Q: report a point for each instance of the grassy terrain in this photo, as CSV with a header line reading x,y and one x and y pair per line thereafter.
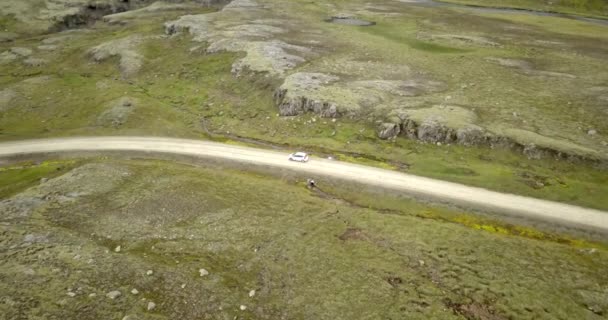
x,y
17,178
324,258
593,8
184,93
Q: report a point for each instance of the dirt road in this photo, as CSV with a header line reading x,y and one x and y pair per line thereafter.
x,y
443,191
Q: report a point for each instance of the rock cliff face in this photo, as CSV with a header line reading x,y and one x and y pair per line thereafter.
x,y
431,128
442,124
294,98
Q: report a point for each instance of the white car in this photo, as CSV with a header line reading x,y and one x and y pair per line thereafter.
x,y
299,156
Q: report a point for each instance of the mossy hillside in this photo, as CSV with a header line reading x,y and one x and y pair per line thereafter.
x,y
543,104
546,99
555,24
16,178
593,8
294,248
177,88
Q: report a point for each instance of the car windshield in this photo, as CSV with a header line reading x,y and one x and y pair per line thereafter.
x,y
299,155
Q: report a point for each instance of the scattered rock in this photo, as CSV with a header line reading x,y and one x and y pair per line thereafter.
x,y
22,52
93,295
151,306
8,57
350,21
528,68
33,238
130,60
71,294
394,281
251,293
421,262
596,309
274,56
203,272
118,112
34,62
592,132
113,294
37,80
245,32
388,130
462,40
149,272
532,152
512,63
117,249
47,47
243,307
57,39
134,291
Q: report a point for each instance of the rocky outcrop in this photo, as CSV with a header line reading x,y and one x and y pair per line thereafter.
x,y
22,52
34,62
237,28
471,135
458,39
126,48
458,127
327,96
294,96
387,130
527,67
443,124
7,57
117,112
433,131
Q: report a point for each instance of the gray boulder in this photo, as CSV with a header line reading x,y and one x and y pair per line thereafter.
x,y
34,62
470,136
113,294
532,152
23,52
433,131
388,130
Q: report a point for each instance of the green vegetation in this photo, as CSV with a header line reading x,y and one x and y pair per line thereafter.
x,y
181,91
342,252
593,8
292,246
16,178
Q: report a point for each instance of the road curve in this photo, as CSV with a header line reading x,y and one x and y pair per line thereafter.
x,y
443,191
